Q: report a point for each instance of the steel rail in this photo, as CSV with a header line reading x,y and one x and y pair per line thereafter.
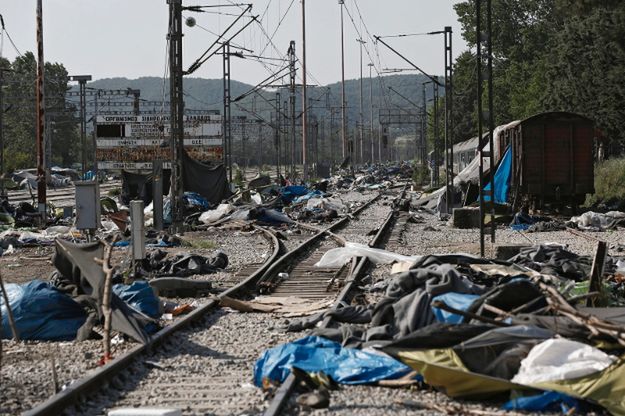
x,y
265,280
286,389
73,393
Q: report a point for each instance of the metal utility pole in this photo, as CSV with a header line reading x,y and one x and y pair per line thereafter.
x,y
362,123
277,122
304,100
292,103
82,85
488,141
41,174
2,131
437,139
260,147
370,64
227,119
176,112
343,117
135,102
449,140
424,115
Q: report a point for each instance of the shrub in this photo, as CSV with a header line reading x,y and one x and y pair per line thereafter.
x,y
609,182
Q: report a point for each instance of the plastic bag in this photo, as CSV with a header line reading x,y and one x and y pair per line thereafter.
x,y
561,359
41,312
325,204
216,214
337,257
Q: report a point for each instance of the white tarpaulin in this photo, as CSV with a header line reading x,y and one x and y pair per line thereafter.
x,y
337,257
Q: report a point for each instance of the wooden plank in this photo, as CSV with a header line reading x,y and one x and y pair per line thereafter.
x,y
596,272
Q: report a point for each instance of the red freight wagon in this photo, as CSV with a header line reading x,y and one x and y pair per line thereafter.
x,y
552,158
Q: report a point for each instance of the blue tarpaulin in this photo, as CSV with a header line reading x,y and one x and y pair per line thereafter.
x,y
502,179
41,312
140,296
314,354
546,401
289,193
460,301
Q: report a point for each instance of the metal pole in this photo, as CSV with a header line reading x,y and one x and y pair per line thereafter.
x,y
491,119
436,138
371,113
424,115
343,117
1,133
304,100
478,57
362,147
157,192
292,103
176,112
41,175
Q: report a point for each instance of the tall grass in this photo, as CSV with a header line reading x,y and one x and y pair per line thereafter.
x,y
609,182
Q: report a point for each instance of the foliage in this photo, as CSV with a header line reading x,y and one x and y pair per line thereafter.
x,y
548,55
20,113
609,182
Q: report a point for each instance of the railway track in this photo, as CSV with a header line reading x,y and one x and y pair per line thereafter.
x,y
206,369
59,197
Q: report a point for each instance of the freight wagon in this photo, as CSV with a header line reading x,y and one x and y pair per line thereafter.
x,y
552,158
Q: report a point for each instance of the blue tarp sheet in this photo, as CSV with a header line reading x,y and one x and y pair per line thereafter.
x,y
140,296
314,354
460,301
502,179
41,312
289,193
547,401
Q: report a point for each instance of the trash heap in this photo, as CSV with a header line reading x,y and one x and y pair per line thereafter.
x,y
528,332
69,306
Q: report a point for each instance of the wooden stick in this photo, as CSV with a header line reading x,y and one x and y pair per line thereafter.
x,y
105,262
16,335
596,272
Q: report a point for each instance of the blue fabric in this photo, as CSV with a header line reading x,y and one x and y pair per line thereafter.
x,y
140,296
502,179
289,193
460,301
313,354
193,199
549,400
41,312
308,196
520,227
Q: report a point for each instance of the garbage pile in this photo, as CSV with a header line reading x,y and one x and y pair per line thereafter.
x,y
518,330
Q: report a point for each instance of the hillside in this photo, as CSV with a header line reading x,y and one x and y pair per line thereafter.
x,y
204,93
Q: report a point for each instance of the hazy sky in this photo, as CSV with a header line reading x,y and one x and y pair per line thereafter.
x,y
127,38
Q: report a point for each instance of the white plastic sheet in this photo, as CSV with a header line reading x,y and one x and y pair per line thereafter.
x,y
325,204
216,214
337,257
594,221
561,359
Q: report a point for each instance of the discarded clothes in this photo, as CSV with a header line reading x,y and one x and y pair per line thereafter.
x,y
41,312
158,264
314,354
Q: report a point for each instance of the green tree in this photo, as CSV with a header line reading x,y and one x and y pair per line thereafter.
x,y
20,114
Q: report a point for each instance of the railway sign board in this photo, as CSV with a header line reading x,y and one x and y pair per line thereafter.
x,y
132,142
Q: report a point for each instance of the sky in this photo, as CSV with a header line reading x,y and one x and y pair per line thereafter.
x,y
127,38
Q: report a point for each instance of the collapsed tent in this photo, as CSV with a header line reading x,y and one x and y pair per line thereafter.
x,y
41,312
139,186
81,277
210,182
483,329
